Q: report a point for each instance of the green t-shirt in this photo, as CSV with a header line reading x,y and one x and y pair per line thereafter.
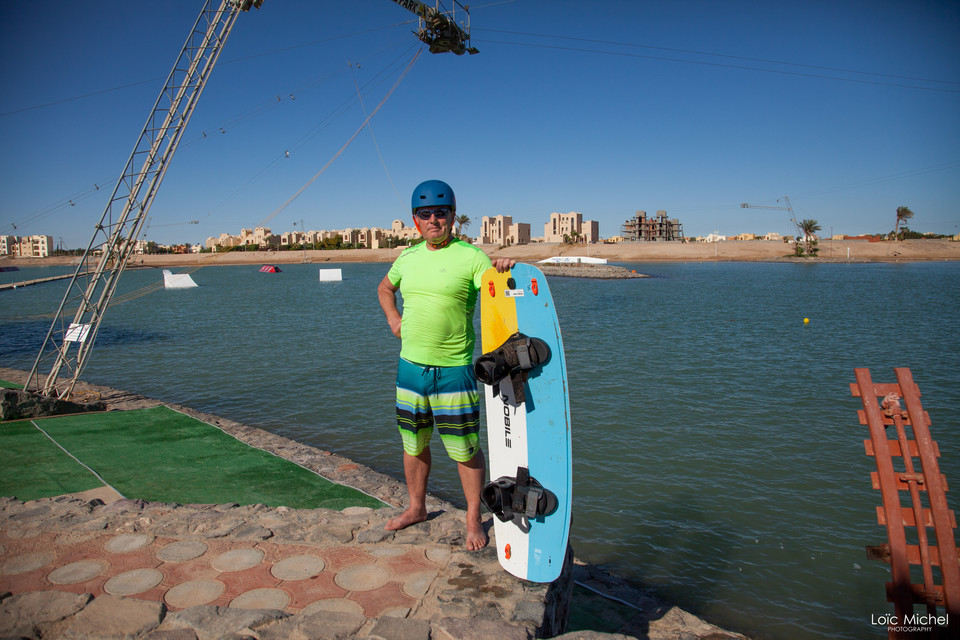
x,y
439,290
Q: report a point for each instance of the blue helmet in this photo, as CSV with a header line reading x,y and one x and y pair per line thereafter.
x,y
433,193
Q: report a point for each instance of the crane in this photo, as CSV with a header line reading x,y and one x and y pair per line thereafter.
x,y
798,230
438,30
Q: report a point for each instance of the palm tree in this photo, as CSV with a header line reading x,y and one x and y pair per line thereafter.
x,y
809,227
903,214
462,221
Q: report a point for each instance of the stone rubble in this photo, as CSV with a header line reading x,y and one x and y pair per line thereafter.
x,y
16,404
585,270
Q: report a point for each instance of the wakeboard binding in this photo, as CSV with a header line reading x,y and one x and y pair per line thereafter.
x,y
519,499
510,362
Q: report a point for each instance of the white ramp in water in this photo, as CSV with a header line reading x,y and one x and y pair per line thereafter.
x,y
330,275
177,280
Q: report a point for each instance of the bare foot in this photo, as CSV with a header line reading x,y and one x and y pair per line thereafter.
x,y
405,519
476,536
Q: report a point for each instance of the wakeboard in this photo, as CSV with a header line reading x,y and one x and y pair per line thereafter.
x,y
524,376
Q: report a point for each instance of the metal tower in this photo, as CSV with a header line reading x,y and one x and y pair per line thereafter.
x,y
74,329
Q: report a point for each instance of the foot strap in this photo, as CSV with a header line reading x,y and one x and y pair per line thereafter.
x,y
518,498
505,368
518,353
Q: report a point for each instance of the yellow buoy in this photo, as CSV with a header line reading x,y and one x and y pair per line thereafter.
x,y
806,321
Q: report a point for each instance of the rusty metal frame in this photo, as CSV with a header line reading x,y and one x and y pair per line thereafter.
x,y
914,518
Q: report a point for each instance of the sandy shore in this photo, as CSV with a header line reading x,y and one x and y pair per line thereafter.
x,y
747,251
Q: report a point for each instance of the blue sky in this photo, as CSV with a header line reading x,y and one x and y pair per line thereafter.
x,y
849,108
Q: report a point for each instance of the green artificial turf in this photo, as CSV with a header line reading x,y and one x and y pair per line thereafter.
x,y
34,467
160,455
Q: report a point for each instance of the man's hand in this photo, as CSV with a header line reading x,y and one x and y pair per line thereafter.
x,y
387,293
394,323
503,264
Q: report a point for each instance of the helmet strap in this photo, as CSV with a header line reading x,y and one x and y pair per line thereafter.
x,y
442,243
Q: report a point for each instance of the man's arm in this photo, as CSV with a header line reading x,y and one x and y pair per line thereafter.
x,y
387,293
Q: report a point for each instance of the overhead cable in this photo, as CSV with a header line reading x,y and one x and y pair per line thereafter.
x,y
950,86
346,144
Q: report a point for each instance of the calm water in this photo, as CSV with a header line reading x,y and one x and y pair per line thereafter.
x,y
718,455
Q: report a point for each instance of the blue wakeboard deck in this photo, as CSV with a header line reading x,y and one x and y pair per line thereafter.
x,y
534,434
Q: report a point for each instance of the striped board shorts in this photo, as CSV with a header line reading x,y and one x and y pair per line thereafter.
x,y
445,396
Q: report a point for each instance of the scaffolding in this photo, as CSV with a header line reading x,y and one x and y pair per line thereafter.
x,y
657,228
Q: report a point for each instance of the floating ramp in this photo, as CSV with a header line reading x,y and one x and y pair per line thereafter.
x,y
331,275
173,280
573,260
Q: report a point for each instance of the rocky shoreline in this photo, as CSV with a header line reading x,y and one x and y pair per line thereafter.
x,y
598,271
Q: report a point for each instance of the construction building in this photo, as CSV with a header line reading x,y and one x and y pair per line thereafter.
x,y
656,228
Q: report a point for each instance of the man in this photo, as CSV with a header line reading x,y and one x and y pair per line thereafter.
x,y
439,280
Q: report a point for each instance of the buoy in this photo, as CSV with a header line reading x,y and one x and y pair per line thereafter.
x,y
806,321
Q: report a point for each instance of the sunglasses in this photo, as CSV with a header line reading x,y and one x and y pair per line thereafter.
x,y
440,212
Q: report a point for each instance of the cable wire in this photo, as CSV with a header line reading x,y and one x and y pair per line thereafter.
x,y
374,138
723,55
346,144
626,54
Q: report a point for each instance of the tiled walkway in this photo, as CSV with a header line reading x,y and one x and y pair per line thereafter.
x,y
374,581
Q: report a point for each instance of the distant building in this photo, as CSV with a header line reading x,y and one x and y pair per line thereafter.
x,y
570,227
27,246
259,238
402,231
7,244
370,238
590,231
658,228
290,238
502,230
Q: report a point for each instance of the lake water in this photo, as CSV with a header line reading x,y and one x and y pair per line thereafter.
x,y
718,459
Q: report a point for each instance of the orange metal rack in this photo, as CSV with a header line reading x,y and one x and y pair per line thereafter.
x,y
924,507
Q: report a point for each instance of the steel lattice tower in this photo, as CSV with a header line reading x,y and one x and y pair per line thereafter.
x,y
72,333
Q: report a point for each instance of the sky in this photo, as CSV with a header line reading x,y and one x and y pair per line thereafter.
x,y
848,108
